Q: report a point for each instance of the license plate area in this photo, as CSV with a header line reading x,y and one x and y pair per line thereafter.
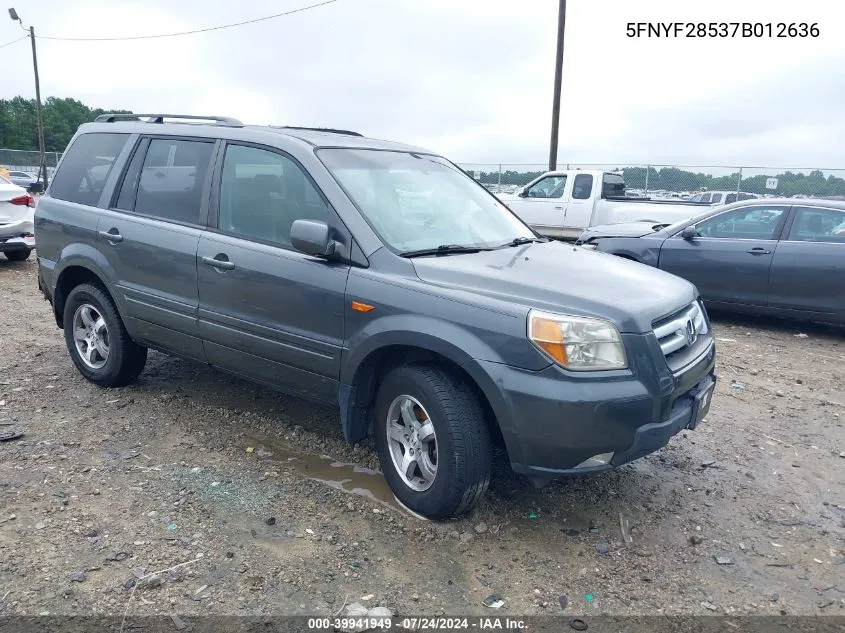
x,y
701,403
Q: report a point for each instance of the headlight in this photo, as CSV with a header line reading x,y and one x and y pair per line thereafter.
x,y
577,343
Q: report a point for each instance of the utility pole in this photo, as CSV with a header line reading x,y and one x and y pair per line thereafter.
x,y
561,23
42,172
42,169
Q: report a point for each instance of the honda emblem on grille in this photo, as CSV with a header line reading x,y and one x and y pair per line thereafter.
x,y
691,333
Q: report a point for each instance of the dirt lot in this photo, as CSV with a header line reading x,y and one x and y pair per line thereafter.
x,y
194,469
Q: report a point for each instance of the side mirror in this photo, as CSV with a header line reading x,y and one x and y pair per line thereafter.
x,y
36,187
312,238
523,193
689,232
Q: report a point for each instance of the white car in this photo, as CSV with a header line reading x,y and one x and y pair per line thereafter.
x,y
17,208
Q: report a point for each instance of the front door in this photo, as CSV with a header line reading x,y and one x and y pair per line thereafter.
x,y
266,311
542,205
729,257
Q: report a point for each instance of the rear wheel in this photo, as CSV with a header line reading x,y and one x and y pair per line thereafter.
x,y
432,441
97,341
18,256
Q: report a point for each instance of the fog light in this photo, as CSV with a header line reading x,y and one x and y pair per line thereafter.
x,y
602,459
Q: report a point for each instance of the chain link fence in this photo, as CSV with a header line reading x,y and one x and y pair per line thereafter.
x,y
679,182
27,161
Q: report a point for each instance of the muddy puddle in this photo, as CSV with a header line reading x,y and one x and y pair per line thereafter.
x,y
350,478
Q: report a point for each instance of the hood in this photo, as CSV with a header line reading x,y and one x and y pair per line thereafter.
x,y
627,229
566,279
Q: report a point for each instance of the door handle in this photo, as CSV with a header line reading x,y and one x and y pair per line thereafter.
x,y
221,264
558,208
114,238
758,251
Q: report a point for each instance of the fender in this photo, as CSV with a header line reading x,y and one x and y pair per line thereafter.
x,y
88,257
451,341
456,343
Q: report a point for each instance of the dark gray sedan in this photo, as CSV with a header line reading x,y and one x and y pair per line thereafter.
x,y
771,256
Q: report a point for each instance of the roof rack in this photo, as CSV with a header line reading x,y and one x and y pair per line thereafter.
x,y
318,129
159,118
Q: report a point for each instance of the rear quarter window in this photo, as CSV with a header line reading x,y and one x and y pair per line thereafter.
x,y
86,166
612,186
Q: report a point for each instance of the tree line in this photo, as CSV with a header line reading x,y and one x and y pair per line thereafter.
x,y
19,128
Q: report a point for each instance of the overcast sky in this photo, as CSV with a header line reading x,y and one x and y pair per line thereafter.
x,y
471,79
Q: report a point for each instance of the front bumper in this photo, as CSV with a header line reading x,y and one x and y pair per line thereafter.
x,y
17,237
554,422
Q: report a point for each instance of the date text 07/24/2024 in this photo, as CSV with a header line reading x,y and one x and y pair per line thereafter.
x,y
722,29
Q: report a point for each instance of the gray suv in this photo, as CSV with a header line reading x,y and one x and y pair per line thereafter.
x,y
372,275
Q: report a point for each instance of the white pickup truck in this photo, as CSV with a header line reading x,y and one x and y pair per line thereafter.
x,y
561,204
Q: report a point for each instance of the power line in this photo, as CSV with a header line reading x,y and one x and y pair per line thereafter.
x,y
206,30
14,41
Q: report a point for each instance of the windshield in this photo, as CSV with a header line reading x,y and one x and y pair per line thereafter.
x,y
417,202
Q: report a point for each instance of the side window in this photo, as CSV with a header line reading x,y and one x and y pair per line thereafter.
x,y
582,187
262,193
749,223
715,198
548,187
172,178
705,197
813,224
86,166
731,197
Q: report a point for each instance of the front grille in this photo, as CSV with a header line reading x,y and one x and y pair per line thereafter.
x,y
683,335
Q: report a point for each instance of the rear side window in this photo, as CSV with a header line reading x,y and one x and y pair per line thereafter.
x,y
814,224
583,187
86,166
167,180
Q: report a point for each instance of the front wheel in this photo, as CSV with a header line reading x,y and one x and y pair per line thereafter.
x,y
18,256
97,341
432,441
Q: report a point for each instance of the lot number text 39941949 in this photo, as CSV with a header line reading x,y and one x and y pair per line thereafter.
x,y
722,29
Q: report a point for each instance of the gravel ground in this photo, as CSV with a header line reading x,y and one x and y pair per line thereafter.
x,y
194,493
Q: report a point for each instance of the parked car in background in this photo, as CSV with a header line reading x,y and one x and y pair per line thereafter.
x,y
769,256
375,276
561,204
722,197
16,221
22,178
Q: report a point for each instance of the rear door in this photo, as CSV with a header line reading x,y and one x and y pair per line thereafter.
x,y
267,311
730,256
808,270
150,235
579,205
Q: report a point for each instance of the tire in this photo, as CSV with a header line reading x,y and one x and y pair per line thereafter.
x,y
116,360
18,256
462,449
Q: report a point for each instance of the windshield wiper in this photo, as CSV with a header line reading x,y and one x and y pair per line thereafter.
x,y
519,241
444,249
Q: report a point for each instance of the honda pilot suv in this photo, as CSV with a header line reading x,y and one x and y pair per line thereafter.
x,y
375,276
